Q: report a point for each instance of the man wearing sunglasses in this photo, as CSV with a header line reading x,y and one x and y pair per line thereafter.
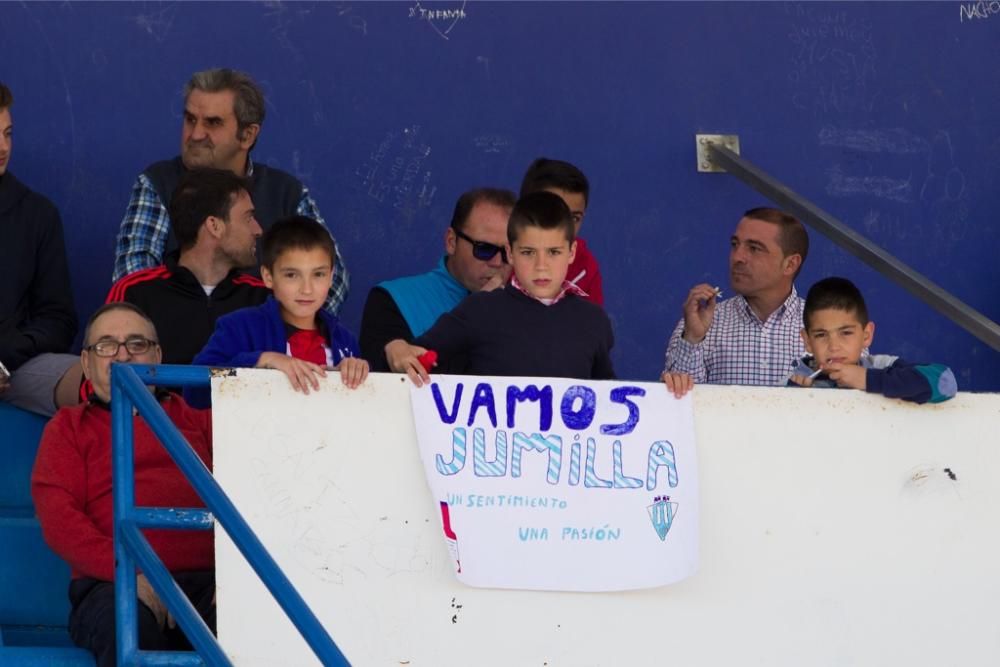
x,y
474,261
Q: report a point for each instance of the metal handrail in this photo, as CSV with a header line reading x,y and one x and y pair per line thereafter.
x,y
129,394
903,275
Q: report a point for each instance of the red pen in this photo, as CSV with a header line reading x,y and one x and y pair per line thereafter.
x,y
428,360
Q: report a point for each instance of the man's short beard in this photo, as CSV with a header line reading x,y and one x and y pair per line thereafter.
x,y
245,260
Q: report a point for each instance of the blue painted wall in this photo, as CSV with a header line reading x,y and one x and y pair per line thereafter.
x,y
885,114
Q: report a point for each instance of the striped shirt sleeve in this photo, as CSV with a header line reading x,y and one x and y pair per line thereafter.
x,y
341,278
685,357
143,232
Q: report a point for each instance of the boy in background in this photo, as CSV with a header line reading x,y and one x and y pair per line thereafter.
x,y
290,331
837,331
537,325
563,179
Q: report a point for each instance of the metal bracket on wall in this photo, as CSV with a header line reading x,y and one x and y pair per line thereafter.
x,y
702,143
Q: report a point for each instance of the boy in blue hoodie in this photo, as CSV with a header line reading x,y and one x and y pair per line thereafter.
x,y
291,331
837,333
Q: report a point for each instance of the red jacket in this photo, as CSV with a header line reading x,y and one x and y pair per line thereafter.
x,y
591,282
71,487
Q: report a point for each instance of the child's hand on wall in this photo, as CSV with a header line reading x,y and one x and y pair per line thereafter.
x,y
802,380
850,376
302,374
353,371
404,358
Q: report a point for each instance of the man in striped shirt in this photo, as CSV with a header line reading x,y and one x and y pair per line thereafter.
x,y
753,337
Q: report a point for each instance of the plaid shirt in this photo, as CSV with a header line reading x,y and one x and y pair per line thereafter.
x,y
739,348
143,237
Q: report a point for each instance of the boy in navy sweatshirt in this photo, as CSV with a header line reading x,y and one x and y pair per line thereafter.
x,y
837,333
537,325
290,331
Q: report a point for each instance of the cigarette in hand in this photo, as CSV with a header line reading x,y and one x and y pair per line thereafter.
x,y
818,371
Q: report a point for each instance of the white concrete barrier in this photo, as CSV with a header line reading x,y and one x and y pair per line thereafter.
x,y
838,528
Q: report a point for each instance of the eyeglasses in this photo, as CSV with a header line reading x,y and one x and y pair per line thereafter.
x,y
134,345
482,250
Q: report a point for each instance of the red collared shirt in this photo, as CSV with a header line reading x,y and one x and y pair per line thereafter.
x,y
567,288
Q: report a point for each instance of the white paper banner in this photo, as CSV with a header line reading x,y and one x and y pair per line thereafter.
x,y
555,484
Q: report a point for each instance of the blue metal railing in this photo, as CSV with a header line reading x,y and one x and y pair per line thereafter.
x,y
129,394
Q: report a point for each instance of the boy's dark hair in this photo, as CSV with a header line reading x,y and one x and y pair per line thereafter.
x,y
202,193
792,236
6,97
837,294
297,232
540,209
468,201
545,173
109,307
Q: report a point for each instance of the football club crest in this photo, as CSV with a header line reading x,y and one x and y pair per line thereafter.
x,y
662,513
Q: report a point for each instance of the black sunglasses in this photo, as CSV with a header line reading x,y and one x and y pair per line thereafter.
x,y
482,250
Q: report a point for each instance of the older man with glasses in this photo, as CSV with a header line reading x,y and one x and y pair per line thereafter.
x,y
474,261
71,487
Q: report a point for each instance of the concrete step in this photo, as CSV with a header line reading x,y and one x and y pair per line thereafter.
x,y
45,657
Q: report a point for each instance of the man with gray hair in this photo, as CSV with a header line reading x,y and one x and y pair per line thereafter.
x,y
223,113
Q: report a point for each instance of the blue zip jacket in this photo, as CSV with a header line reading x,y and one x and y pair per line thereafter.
x,y
892,377
243,335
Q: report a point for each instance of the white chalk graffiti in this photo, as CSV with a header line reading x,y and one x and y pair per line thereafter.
x,y
969,11
395,171
893,140
441,20
491,143
834,60
884,187
157,23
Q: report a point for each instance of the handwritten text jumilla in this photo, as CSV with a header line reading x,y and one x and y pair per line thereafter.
x,y
578,408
